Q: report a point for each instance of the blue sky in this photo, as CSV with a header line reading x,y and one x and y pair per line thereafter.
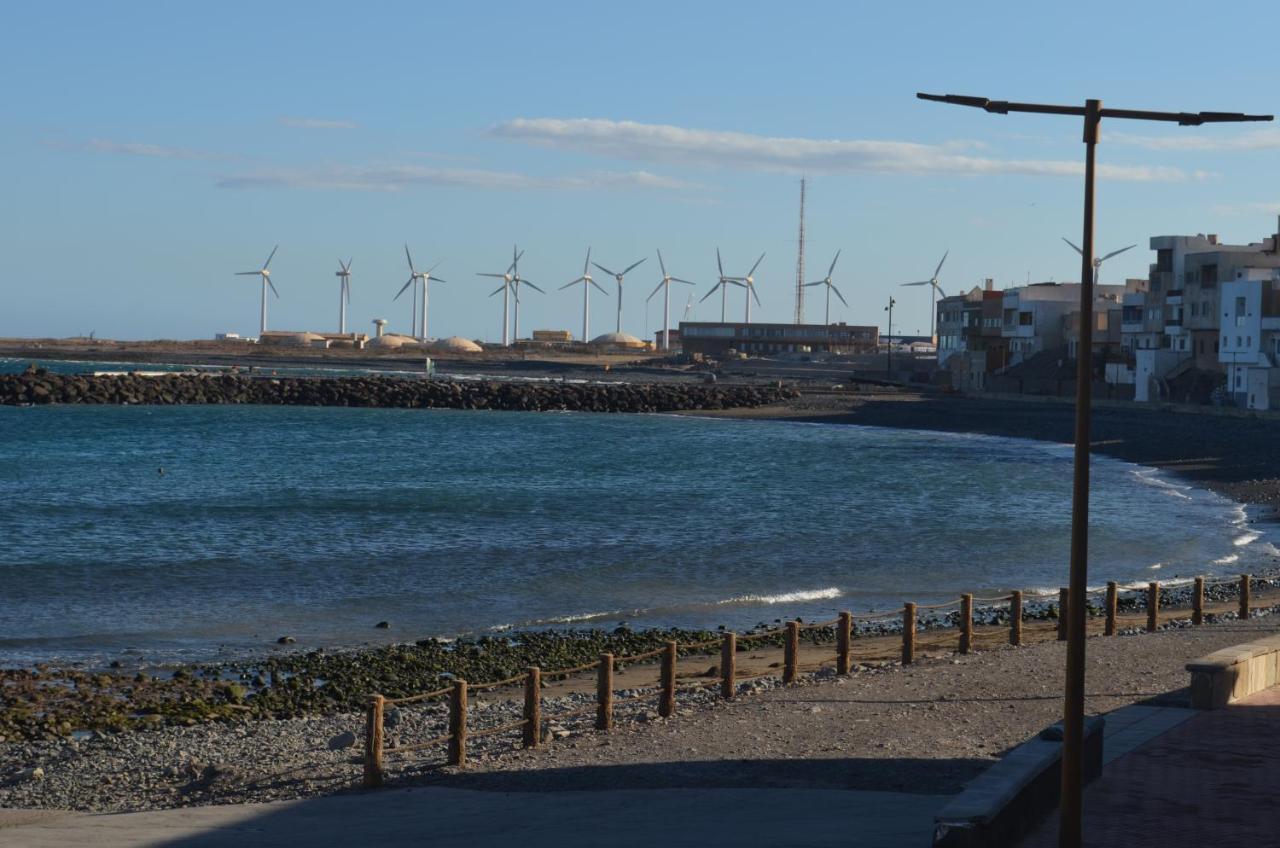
x,y
151,150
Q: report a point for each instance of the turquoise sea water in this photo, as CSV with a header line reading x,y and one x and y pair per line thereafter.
x,y
320,522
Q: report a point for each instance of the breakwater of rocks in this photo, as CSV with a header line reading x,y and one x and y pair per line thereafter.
x,y
36,388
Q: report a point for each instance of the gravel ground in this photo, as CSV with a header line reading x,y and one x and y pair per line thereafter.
x,y
925,728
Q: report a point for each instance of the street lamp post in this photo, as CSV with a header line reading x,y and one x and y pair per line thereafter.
x,y
1070,829
888,365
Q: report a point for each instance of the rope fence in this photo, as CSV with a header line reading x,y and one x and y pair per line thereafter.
x,y
726,677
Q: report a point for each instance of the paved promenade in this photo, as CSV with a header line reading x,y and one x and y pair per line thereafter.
x,y
1211,780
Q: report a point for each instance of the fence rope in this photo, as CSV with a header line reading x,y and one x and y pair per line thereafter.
x,y
480,687
634,699
494,731
411,699
693,646
574,670
993,600
417,746
578,712
944,605
638,657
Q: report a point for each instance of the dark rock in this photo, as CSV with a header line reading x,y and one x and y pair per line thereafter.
x,y
383,625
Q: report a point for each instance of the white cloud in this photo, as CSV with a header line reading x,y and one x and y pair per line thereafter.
x,y
154,151
394,178
1246,208
663,143
1196,139
318,123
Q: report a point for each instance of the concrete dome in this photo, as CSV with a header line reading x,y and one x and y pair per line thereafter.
x,y
617,340
290,339
455,344
392,340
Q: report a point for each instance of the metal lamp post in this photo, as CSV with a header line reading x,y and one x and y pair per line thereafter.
x,y
888,365
1070,830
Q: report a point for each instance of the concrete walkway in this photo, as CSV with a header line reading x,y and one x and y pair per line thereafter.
x,y
461,817
1210,780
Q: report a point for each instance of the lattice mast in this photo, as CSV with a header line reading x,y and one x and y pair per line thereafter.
x,y
800,262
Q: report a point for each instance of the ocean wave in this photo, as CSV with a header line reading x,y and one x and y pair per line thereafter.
x,y
1246,539
1226,560
1152,477
796,597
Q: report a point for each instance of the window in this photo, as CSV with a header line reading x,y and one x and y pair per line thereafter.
x,y
1025,319
1209,276
1240,307
1164,259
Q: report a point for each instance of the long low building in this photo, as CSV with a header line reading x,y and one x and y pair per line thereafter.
x,y
715,339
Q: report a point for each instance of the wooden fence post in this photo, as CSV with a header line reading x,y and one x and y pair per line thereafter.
x,y
1197,602
1015,619
791,653
1064,598
1153,607
604,693
1244,597
966,623
532,707
728,665
908,633
1112,602
373,742
458,724
667,682
844,641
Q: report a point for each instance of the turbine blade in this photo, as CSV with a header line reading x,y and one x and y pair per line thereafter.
x,y
439,279
719,264
410,258
349,261
602,268
499,276
713,291
273,288
833,263
574,283
247,273
662,264
586,266
837,291
755,266
752,289
404,288
267,264
820,282
686,282
939,289
600,287
1073,246
632,265
939,268
495,291
921,283
1117,252
532,286
433,267
655,291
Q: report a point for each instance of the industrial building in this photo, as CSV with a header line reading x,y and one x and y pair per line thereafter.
x,y
717,339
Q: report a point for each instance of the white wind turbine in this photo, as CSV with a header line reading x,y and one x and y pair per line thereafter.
x,y
619,277
667,280
749,283
1098,260
587,283
831,287
507,278
266,282
419,331
516,280
722,284
344,294
934,291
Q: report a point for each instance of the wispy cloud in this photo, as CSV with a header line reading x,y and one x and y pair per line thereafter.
x,y
663,143
395,178
1267,139
134,148
1254,208
318,123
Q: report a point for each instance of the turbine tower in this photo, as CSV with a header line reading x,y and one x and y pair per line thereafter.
x,y
516,280
934,291
587,283
266,282
1097,261
414,276
618,277
505,288
344,294
831,287
722,284
800,283
667,280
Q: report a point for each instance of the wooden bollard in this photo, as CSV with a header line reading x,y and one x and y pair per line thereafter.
x,y
532,707
667,682
458,724
908,633
791,653
1197,602
728,665
604,693
1015,619
1153,607
1064,598
373,741
1113,593
844,643
966,623
1244,597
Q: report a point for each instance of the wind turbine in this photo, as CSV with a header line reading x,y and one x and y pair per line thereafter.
x,y
831,287
749,283
667,280
934,291
587,283
507,278
344,294
722,284
414,276
1097,261
516,280
618,277
266,282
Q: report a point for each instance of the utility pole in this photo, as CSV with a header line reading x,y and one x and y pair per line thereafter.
x,y
1070,832
888,367
800,263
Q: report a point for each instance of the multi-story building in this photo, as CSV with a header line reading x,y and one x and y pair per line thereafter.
x,y
1036,318
1249,349
971,343
716,339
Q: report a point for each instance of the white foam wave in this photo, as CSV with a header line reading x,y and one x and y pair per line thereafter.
x,y
786,597
1151,477
1227,560
1246,539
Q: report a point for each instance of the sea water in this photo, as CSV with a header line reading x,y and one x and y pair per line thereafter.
x,y
197,532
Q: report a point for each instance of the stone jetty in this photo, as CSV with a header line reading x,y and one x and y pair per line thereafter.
x,y
39,388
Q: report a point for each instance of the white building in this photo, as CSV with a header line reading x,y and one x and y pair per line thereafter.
x,y
1035,316
1249,349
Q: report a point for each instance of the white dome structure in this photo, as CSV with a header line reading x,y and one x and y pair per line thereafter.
x,y
290,339
455,344
623,340
392,341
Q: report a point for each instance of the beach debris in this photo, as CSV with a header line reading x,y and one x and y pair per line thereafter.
x,y
342,740
286,640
